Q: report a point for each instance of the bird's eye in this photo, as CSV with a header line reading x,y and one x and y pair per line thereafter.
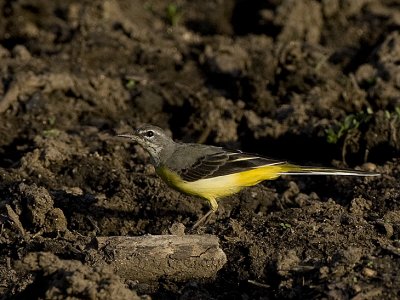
x,y
149,133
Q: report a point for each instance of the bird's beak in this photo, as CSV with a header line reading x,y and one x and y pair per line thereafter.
x,y
132,137
127,135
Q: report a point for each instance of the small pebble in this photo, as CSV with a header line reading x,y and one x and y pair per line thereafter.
x,y
368,272
370,167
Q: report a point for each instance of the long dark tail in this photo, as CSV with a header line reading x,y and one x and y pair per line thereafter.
x,y
303,170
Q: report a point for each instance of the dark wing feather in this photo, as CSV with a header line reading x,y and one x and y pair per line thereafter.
x,y
204,167
224,163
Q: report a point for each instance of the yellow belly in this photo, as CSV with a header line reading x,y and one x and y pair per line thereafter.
x,y
220,186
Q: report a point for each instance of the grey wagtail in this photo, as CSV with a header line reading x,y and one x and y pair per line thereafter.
x,y
213,172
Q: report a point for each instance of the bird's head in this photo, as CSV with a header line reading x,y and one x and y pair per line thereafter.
x,y
152,138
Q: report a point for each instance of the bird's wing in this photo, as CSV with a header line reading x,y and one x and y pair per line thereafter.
x,y
222,163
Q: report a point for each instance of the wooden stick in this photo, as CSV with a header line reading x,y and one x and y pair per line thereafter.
x,y
147,258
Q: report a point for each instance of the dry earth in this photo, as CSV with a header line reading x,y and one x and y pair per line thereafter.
x,y
308,81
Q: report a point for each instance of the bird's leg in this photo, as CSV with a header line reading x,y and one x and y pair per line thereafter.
x,y
204,219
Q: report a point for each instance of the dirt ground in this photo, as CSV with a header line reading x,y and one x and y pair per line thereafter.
x,y
313,82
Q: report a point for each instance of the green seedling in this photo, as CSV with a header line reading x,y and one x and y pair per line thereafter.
x,y
350,122
51,133
395,114
130,84
51,120
173,14
285,225
397,111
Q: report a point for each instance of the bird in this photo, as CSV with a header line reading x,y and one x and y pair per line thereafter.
x,y
212,172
